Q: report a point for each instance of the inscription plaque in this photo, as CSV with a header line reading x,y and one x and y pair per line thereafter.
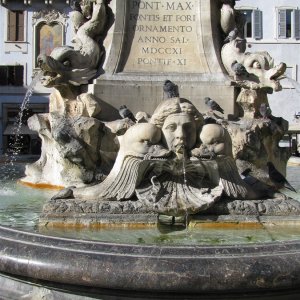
x,y
165,36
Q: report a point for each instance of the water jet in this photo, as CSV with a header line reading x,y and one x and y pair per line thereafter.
x,y
131,189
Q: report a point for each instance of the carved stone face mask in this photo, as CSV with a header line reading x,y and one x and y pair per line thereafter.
x,y
179,132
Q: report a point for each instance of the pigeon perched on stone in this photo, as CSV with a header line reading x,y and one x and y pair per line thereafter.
x,y
66,193
265,111
248,178
239,69
232,35
277,178
170,89
246,172
126,113
213,105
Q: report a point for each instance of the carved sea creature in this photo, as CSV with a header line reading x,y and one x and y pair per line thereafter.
x,y
227,16
78,64
259,66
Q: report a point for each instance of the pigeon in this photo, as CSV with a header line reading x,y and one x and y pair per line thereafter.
x,y
126,113
239,69
277,178
232,35
265,111
248,178
246,172
170,89
213,105
66,193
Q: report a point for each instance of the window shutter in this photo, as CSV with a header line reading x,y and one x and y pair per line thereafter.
x,y
11,30
3,75
18,75
281,23
20,24
257,24
297,23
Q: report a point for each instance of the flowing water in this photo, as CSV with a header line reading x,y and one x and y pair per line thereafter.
x,y
295,84
18,123
20,207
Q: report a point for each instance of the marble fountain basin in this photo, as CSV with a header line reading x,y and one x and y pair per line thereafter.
x,y
213,256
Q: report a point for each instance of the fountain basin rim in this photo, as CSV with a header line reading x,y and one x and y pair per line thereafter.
x,y
189,269
20,236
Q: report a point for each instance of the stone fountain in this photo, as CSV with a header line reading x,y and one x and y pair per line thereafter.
x,y
177,163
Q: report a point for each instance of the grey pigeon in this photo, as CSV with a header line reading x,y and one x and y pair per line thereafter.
x,y
239,69
170,89
213,105
277,178
232,35
126,113
265,111
248,178
66,193
246,172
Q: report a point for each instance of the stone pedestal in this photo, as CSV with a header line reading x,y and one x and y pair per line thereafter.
x,y
152,41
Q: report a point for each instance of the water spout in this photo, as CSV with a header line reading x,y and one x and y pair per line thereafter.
x,y
18,123
295,84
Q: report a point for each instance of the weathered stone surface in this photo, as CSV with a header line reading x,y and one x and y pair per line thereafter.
x,y
152,42
78,64
265,207
256,141
157,165
260,268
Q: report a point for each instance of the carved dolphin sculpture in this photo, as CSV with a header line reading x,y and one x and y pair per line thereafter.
x,y
78,64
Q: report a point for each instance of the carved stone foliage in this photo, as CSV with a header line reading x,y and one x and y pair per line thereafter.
x,y
49,16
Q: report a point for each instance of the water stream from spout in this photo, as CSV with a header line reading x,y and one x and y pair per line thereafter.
x,y
294,92
185,188
18,122
294,83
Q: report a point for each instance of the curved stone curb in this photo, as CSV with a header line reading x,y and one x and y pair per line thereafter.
x,y
187,269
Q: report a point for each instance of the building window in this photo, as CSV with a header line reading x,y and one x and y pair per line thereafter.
x,y
253,23
15,26
11,75
288,23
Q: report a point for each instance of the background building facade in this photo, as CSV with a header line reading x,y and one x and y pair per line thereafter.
x,y
28,27
274,26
